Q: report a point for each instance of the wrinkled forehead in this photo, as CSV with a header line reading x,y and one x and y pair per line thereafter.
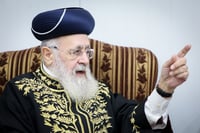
x,y
74,41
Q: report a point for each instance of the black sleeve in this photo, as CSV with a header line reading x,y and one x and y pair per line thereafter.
x,y
129,115
14,117
131,118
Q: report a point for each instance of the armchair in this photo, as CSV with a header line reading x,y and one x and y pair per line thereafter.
x,y
129,71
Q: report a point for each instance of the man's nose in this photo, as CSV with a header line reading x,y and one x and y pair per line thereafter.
x,y
84,59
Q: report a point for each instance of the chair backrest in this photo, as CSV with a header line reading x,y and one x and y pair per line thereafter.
x,y
129,71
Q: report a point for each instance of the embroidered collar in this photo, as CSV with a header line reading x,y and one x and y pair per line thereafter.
x,y
48,79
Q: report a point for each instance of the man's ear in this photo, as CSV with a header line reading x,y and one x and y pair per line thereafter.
x,y
47,55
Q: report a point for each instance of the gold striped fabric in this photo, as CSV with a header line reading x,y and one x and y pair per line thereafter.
x,y
13,63
129,71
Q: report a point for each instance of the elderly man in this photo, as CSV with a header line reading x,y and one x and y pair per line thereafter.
x,y
62,95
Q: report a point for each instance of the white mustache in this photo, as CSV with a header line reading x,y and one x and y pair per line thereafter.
x,y
80,67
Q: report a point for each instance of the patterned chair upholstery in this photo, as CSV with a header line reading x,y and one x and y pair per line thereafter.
x,y
129,71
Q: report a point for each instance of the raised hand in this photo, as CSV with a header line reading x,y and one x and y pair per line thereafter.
x,y
174,71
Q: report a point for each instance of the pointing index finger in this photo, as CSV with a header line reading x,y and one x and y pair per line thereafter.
x,y
184,51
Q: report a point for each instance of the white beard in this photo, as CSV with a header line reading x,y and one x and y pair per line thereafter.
x,y
78,88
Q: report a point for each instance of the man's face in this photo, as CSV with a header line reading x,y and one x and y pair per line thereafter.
x,y
71,67
72,53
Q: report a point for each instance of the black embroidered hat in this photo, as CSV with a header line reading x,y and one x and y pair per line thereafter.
x,y
64,21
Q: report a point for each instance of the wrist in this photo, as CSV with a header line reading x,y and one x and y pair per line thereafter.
x,y
163,93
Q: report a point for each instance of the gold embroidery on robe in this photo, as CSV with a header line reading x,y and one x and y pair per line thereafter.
x,y
56,106
135,128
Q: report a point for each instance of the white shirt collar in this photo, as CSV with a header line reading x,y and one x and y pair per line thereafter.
x,y
48,71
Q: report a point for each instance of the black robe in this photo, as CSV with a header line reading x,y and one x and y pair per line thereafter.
x,y
37,103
